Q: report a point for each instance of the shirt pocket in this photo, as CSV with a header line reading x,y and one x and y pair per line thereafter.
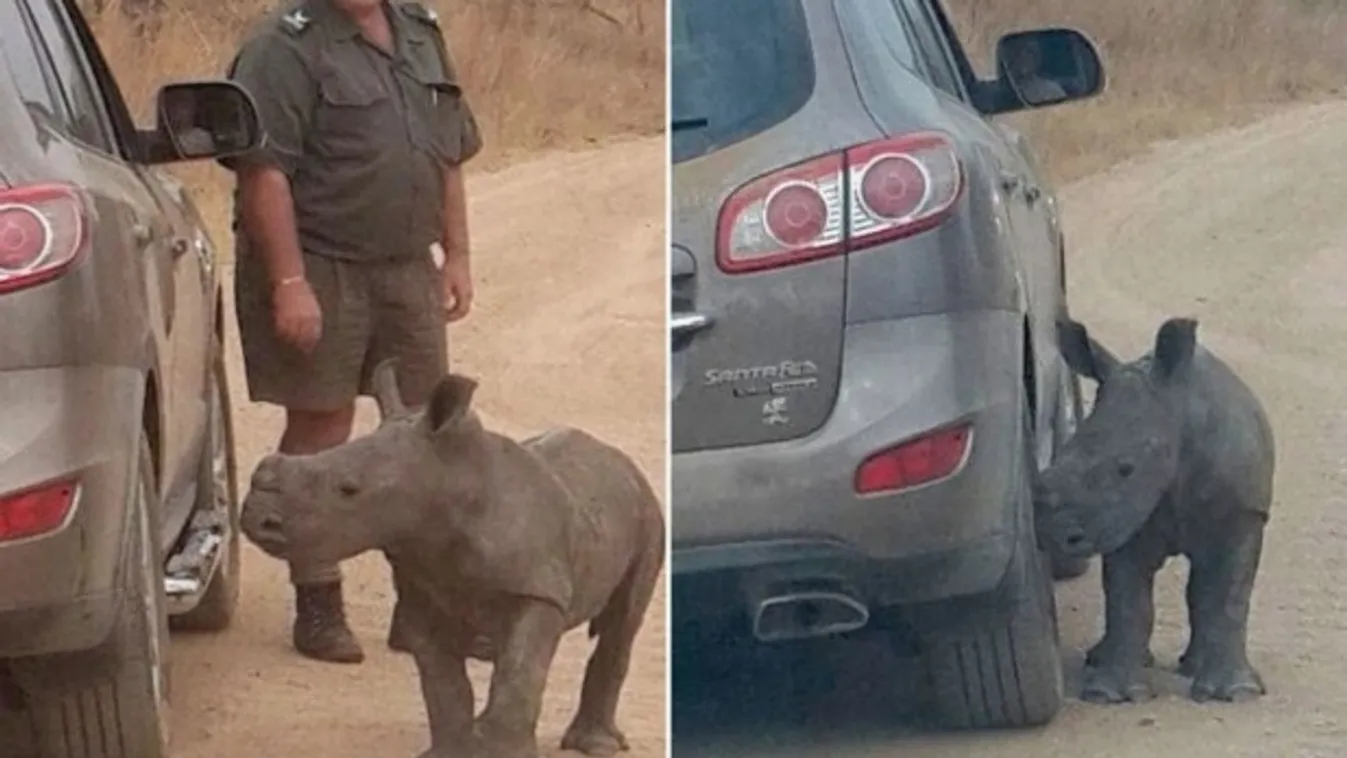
x,y
355,114
442,114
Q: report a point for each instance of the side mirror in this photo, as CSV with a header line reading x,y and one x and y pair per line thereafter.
x,y
1046,67
202,120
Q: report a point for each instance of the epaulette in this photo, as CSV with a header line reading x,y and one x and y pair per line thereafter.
x,y
421,13
296,22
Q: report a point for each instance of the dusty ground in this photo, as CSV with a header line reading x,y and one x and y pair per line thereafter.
x,y
569,327
1246,231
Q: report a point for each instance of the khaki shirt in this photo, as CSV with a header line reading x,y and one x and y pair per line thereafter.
x,y
361,134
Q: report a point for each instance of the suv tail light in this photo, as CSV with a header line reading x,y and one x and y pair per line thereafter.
x,y
42,234
915,462
862,196
37,511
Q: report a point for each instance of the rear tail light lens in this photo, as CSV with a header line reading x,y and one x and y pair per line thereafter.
x,y
916,462
865,195
36,511
42,234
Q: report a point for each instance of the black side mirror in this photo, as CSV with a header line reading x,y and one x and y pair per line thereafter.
x,y
1046,67
202,120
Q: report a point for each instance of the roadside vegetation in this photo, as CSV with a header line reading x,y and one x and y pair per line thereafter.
x,y
542,74
1176,67
562,74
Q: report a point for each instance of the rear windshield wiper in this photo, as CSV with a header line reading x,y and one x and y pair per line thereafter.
x,y
695,122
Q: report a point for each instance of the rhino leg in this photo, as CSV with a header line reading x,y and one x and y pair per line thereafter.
x,y
1197,622
507,727
1220,585
1098,653
444,683
449,702
1117,664
594,730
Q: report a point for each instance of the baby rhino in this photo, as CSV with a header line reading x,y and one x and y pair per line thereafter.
x,y
1176,458
490,541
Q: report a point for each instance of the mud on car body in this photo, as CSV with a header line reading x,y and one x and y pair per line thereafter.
x,y
866,274
117,481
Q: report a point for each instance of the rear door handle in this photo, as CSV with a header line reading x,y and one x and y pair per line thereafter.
x,y
688,324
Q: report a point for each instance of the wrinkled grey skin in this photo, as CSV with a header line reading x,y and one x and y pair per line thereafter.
x,y
1176,458
487,537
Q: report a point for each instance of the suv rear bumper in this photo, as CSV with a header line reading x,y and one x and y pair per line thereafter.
x,y
57,591
789,508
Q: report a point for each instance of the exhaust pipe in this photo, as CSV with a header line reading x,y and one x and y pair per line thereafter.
x,y
800,610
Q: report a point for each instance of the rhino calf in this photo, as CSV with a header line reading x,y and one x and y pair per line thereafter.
x,y
514,543
1176,458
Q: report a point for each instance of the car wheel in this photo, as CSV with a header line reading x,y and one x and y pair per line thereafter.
x,y
219,478
1070,409
112,702
995,667
14,733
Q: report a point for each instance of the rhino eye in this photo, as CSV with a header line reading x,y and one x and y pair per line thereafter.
x,y
348,489
1125,469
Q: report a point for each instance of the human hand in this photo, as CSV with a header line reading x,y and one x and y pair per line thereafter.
x,y
299,320
456,278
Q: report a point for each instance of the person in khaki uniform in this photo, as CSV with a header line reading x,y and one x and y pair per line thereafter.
x,y
336,214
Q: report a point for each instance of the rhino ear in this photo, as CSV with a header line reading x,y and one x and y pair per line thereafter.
x,y
1175,343
1085,356
386,392
450,402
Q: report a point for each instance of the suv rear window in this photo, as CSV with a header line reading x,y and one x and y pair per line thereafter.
x,y
737,68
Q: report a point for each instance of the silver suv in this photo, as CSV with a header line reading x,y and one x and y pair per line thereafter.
x,y
866,277
117,481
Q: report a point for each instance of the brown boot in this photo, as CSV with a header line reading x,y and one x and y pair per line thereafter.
x,y
320,630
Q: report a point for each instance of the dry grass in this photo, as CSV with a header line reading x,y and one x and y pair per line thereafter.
x,y
1176,67
540,73
564,73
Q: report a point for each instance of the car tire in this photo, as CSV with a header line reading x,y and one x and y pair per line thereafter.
x,y
111,702
218,478
1000,665
1070,409
15,736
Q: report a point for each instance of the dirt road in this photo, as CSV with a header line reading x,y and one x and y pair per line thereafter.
x,y
569,327
1245,230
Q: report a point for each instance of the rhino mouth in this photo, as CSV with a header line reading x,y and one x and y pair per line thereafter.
x,y
1068,534
1077,545
1073,542
1085,533
263,527
267,535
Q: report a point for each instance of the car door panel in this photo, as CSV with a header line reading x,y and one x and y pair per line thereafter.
x,y
1027,208
1037,253
148,237
173,277
189,321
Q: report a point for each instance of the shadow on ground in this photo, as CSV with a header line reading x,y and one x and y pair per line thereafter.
x,y
728,692
733,697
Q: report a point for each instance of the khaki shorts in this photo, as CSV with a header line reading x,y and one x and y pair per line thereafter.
x,y
371,312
